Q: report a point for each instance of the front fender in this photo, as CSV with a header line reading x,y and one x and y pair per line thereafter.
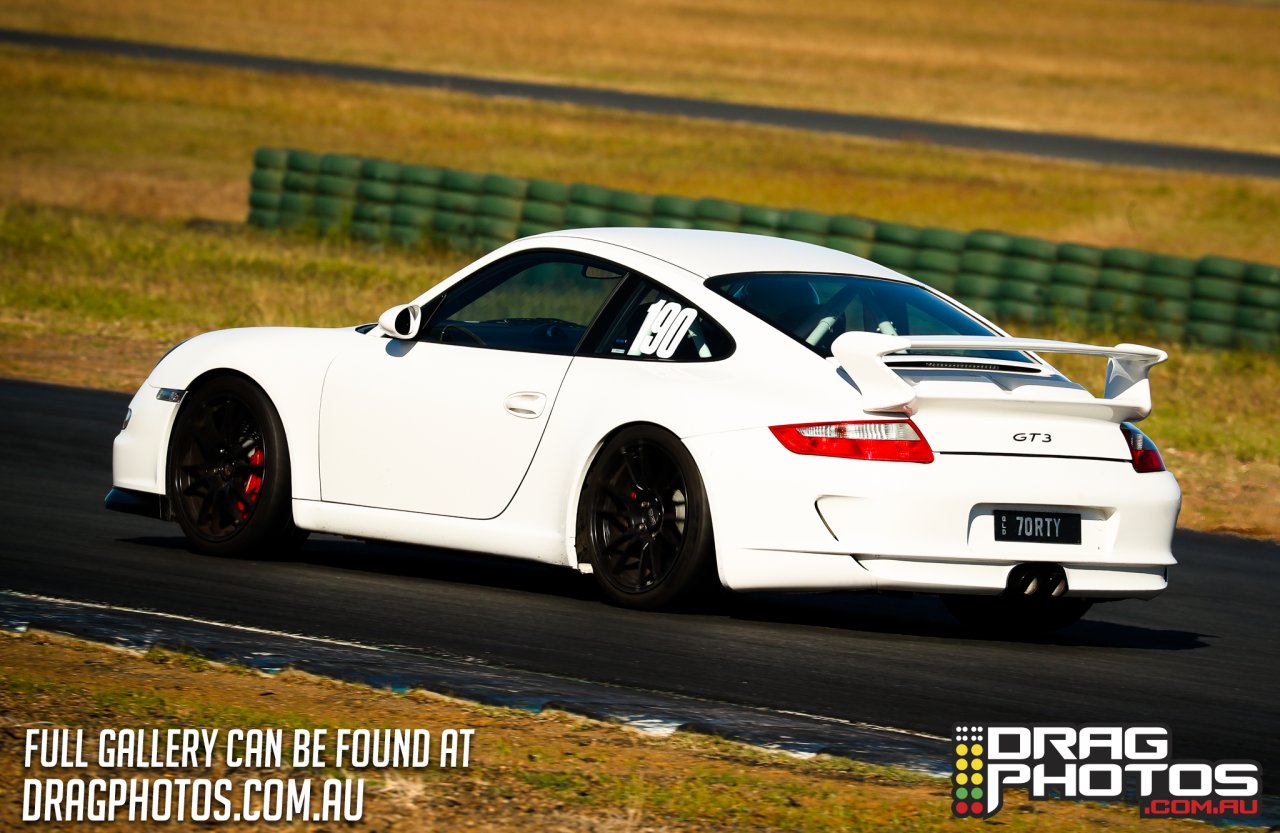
x,y
288,363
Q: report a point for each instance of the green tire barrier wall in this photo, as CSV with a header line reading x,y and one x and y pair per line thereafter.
x,y
1214,300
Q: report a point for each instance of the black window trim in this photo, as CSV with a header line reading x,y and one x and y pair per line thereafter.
x,y
438,302
1031,359
613,308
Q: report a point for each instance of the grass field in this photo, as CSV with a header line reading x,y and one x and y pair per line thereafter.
x,y
95,299
173,140
548,772
1183,72
134,147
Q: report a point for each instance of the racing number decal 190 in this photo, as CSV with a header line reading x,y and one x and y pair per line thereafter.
x,y
664,326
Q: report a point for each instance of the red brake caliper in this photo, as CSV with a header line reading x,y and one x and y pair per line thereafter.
x,y
252,485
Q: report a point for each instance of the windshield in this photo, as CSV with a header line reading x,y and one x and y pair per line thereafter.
x,y
815,308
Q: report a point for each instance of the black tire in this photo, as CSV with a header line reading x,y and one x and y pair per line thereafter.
x,y
227,434
644,524
1013,616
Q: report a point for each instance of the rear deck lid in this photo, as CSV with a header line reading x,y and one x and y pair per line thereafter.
x,y
988,407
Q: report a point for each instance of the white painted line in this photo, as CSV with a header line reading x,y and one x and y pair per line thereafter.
x,y
180,618
656,726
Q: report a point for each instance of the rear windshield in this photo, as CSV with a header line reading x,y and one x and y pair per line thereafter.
x,y
814,309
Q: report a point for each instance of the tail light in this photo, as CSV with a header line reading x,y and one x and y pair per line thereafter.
x,y
895,440
1146,457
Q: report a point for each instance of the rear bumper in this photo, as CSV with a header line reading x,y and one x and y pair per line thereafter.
x,y
791,522
747,569
1086,580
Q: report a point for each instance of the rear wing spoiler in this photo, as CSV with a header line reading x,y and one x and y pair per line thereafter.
x,y
862,356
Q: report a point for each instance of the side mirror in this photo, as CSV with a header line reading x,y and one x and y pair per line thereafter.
x,y
402,321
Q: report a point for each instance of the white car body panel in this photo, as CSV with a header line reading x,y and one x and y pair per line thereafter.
x,y
423,453
851,514
415,442
289,363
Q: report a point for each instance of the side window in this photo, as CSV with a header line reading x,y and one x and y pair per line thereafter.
x,y
538,303
655,323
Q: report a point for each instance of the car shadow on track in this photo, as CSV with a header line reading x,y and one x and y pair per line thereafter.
x,y
924,615
866,613
427,563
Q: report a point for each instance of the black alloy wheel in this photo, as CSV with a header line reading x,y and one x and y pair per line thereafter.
x,y
643,521
229,471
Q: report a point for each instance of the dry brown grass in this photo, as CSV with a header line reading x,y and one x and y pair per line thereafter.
x,y
1186,72
173,140
1222,494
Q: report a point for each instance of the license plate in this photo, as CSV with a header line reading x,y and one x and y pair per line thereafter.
x,y
1037,527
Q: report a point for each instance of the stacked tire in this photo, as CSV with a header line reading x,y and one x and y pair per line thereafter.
x,y
670,211
588,206
761,219
266,187
1258,310
335,198
543,209
978,283
894,246
1168,288
414,210
937,260
1214,301
805,226
375,196
1072,279
1025,273
498,210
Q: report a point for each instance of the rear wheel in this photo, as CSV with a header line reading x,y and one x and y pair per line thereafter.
x,y
229,472
643,521
1010,615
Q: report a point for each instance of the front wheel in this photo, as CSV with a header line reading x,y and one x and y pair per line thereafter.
x,y
1012,616
643,521
229,481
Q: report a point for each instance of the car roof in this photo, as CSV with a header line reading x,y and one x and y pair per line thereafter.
x,y
710,253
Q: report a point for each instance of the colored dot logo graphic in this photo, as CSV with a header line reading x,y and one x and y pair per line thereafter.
x,y
967,777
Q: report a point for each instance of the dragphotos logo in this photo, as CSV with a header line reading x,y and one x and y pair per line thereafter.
x,y
1095,762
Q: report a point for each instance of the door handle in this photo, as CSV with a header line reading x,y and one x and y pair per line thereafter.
x,y
525,404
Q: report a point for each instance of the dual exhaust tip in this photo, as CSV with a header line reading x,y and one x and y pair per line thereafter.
x,y
1032,580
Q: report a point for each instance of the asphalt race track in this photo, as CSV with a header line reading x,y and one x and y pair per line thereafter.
x,y
1056,145
1203,659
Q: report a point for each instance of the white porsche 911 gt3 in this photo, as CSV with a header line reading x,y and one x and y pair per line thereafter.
x,y
664,408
